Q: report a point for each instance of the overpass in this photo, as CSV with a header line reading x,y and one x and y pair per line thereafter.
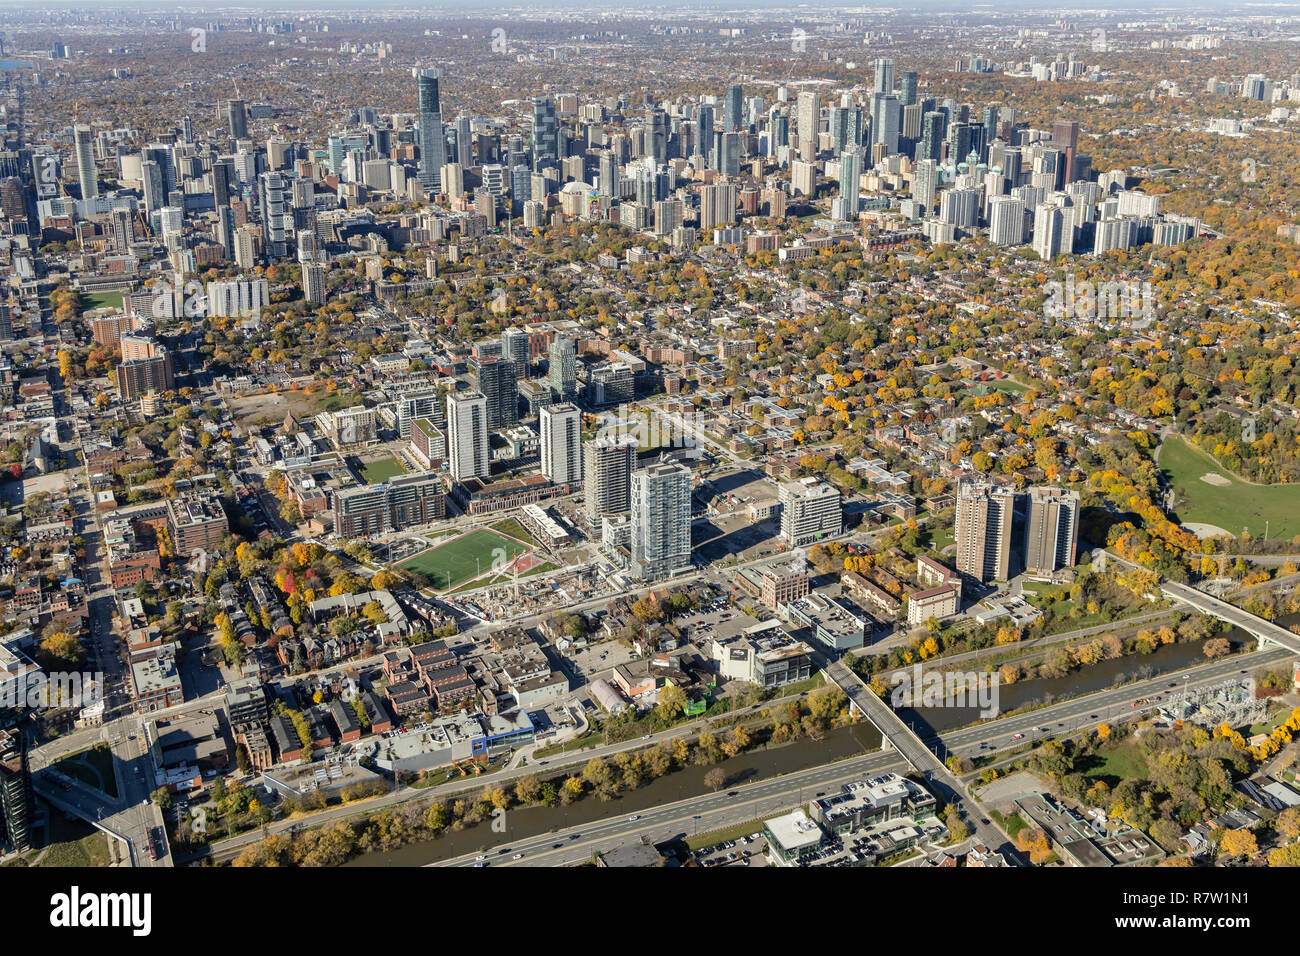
x,y
894,733
1265,631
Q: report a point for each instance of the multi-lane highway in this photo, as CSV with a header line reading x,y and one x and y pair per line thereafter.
x,y
710,812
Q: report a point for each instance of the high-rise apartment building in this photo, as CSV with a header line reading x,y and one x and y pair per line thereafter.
x,y
83,138
606,476
561,443
808,116
1051,530
810,509
661,521
467,436
563,369
984,517
15,790
498,381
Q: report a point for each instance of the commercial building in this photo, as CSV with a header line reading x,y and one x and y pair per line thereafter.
x,y
834,622
766,655
784,582
810,510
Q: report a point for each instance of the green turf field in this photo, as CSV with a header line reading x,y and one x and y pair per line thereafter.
x,y
1230,506
100,300
381,469
450,565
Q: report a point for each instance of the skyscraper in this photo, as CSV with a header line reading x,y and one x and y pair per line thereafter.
x,y
546,133
606,476
884,75
851,162
1065,137
809,120
925,183
1006,221
498,380
467,436
563,369
885,116
84,139
277,217
732,110
237,119
932,130
1052,530
984,517
1049,228
515,345
561,443
313,282
661,520
907,88
429,133
464,141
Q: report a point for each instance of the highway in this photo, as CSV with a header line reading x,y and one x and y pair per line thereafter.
x,y
709,812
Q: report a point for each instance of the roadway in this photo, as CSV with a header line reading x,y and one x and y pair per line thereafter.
x,y
708,812
1229,613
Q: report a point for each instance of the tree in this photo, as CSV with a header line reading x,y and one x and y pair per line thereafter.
x,y
1033,841
162,797
62,651
1239,843
672,702
715,779
1217,647
1288,823
1288,855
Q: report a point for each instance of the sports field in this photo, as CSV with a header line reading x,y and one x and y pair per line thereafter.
x,y
450,565
1227,501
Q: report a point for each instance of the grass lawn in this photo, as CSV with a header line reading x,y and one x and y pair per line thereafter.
x,y
72,843
1013,823
101,300
450,565
91,767
1116,764
381,469
1231,506
514,529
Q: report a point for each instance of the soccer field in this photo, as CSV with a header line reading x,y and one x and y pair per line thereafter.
x,y
450,565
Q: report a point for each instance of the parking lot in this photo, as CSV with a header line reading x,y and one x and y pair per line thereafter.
x,y
745,851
